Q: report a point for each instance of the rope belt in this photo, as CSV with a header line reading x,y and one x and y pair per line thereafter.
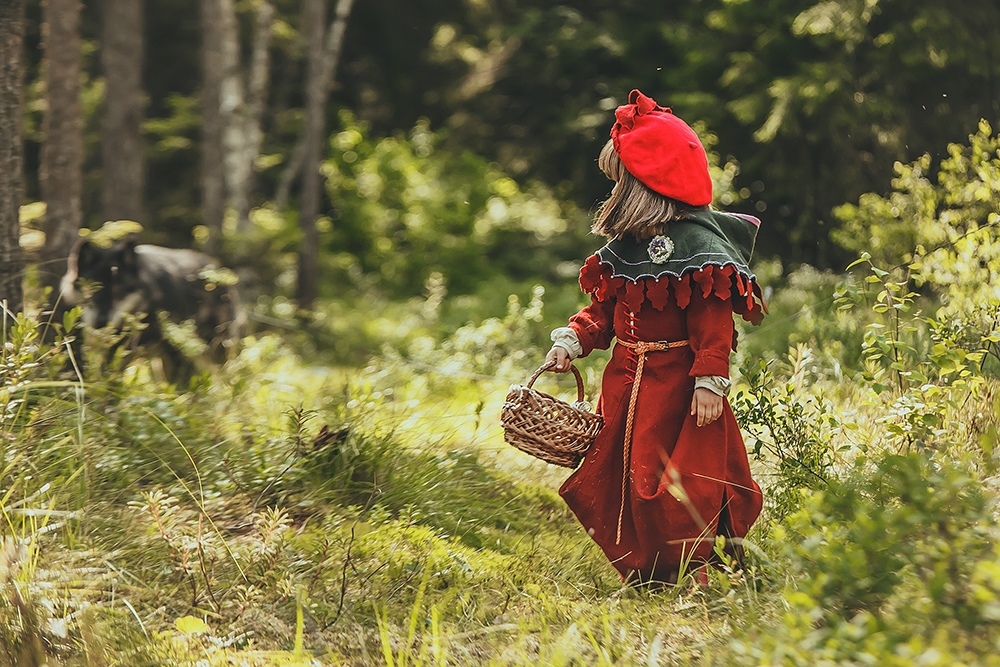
x,y
641,348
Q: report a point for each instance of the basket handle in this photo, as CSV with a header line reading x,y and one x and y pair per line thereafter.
x,y
549,364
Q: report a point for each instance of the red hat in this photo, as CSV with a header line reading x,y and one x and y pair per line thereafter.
x,y
661,150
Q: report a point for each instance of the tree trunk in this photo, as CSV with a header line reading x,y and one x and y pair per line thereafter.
x,y
213,186
11,152
230,101
334,45
62,151
242,104
122,151
324,53
314,26
258,79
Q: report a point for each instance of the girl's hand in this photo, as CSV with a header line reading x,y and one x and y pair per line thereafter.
x,y
561,357
707,405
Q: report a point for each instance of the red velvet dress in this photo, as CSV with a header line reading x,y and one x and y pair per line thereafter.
x,y
685,484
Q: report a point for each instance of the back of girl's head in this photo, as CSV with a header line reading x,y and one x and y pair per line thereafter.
x,y
659,167
632,209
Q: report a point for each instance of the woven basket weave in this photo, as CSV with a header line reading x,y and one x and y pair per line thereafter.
x,y
555,431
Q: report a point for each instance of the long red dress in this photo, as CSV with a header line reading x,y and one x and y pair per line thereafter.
x,y
685,483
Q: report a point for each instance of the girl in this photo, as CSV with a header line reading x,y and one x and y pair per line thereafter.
x,y
669,471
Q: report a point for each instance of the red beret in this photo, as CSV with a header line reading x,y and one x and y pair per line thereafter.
x,y
661,150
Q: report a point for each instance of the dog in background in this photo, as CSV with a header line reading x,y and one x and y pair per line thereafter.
x,y
160,286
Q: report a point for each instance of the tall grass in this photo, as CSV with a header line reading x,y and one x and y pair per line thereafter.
x,y
300,515
281,511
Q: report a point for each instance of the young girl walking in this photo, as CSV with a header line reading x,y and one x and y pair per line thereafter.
x,y
669,470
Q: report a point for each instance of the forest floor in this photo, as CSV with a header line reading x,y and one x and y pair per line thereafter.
x,y
276,511
282,513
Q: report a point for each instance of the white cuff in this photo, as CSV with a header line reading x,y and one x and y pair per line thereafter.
x,y
566,338
714,383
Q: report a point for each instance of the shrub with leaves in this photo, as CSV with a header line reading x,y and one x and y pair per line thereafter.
x,y
896,564
952,206
930,281
788,428
407,208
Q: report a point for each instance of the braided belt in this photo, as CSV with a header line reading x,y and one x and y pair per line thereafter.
x,y
641,348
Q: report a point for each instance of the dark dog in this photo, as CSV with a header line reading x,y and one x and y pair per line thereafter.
x,y
158,284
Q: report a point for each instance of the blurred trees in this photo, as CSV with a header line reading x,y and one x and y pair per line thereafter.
x,y
61,174
324,53
123,163
814,102
827,99
11,45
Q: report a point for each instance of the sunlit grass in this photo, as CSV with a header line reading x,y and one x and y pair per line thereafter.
x,y
411,532
285,509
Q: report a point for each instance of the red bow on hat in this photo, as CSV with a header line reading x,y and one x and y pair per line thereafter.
x,y
661,150
638,105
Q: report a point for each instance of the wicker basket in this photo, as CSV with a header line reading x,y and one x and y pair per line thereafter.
x,y
550,429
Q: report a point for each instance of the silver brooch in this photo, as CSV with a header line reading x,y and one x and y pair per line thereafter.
x,y
660,249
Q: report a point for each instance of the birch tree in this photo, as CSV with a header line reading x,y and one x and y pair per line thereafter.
x,y
324,53
242,98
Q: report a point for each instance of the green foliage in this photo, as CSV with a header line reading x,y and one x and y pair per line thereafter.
x,y
932,354
815,100
787,427
886,226
892,560
932,365
803,311
500,347
894,565
406,209
943,219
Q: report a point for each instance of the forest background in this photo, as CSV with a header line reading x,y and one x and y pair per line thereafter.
x,y
404,191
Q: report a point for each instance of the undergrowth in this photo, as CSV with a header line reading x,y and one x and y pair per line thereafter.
x,y
273,512
280,510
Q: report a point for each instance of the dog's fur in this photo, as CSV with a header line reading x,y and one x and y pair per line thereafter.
x,y
132,279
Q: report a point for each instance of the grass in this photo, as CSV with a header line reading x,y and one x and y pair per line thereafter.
x,y
301,516
279,511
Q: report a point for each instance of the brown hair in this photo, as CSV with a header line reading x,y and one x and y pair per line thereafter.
x,y
632,209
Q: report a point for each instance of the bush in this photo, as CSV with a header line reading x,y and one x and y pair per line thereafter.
x,y
407,209
803,311
787,428
895,565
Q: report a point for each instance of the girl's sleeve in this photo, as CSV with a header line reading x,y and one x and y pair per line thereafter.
x,y
594,325
710,332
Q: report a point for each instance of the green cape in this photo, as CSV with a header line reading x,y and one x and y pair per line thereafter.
x,y
702,238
